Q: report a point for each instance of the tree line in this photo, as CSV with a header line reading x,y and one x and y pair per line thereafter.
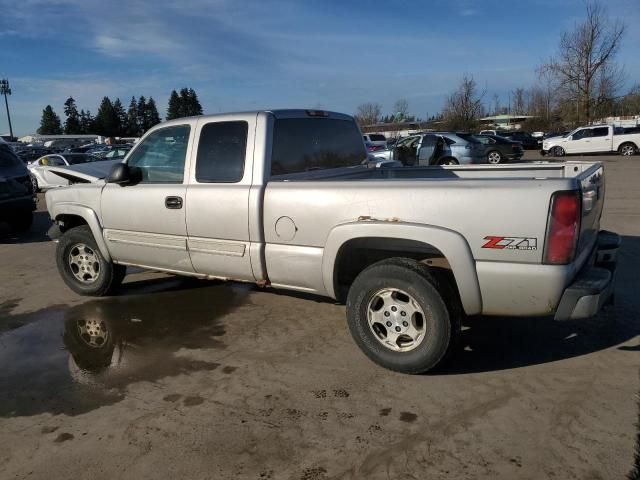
x,y
582,82
112,120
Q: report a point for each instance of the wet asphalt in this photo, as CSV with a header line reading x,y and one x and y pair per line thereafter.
x,y
177,377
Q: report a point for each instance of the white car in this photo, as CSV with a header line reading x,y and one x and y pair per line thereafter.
x,y
593,139
42,176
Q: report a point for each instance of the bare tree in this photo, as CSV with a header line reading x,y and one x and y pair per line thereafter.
x,y
496,104
401,110
519,102
368,113
585,65
464,106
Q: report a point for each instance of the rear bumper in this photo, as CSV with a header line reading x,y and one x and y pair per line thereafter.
x,y
593,286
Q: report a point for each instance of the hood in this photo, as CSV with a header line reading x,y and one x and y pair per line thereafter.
x,y
85,172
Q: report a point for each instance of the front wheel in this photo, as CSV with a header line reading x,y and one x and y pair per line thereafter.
x,y
627,149
557,152
403,317
82,266
494,157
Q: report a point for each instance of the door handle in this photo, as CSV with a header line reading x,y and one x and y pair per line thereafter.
x,y
173,202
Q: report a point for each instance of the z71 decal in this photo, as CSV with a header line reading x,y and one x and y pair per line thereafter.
x,y
511,243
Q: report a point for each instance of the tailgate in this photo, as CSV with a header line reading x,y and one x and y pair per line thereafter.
x,y
592,190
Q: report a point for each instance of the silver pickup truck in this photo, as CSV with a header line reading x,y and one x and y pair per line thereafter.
x,y
288,199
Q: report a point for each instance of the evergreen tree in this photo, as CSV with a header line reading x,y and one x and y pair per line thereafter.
x,y
132,119
86,122
50,122
122,118
151,117
193,106
106,121
72,123
173,110
140,114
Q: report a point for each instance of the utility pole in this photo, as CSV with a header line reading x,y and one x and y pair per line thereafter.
x,y
6,90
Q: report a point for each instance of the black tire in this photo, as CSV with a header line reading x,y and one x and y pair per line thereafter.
x,y
21,222
109,276
494,155
558,152
34,184
448,161
627,149
433,293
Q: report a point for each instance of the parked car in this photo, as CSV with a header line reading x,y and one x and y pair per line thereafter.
x,y
43,179
489,132
17,200
116,153
374,148
439,148
410,250
593,139
375,139
30,153
500,149
528,141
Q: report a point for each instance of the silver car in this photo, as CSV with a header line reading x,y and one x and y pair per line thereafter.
x,y
440,148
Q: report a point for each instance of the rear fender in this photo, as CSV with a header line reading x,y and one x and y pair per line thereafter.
x,y
453,246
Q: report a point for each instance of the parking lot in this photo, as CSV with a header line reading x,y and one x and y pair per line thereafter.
x,y
197,379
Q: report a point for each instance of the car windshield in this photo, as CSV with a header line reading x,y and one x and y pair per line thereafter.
x,y
377,138
80,158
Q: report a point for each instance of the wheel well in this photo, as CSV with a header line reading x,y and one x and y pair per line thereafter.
x,y
628,143
67,221
357,254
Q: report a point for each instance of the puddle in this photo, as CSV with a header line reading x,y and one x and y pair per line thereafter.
x,y
73,360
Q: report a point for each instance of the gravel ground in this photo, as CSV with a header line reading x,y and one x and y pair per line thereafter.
x,y
208,380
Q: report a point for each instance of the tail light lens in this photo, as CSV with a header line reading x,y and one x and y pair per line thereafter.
x,y
563,228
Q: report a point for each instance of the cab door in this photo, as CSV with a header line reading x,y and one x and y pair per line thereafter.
x,y
218,196
145,223
601,139
580,141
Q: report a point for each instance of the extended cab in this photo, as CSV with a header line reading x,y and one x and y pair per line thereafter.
x,y
288,199
595,139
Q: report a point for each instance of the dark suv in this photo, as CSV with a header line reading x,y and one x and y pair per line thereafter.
x,y
17,201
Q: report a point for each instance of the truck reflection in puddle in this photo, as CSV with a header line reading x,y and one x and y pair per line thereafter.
x,y
111,344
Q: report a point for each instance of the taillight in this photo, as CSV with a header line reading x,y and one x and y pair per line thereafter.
x,y
563,228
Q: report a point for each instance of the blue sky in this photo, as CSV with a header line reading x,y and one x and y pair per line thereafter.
x,y
241,55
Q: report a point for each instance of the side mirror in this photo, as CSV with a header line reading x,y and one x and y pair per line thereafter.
x,y
120,174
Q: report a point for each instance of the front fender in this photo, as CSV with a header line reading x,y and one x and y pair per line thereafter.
x,y
63,208
453,246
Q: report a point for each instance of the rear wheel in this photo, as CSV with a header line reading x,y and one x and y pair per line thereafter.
x,y
402,316
82,266
494,157
627,149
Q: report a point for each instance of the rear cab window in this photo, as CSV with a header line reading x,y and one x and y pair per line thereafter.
x,y
307,144
221,152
